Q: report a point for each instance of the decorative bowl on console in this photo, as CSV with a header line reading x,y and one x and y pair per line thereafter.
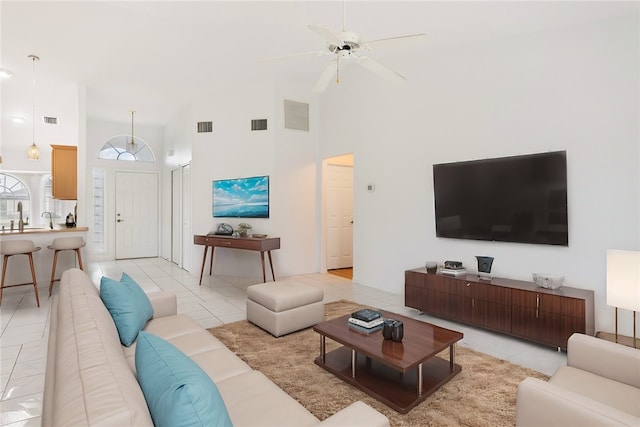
x,y
549,281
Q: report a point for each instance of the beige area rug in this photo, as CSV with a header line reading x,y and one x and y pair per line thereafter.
x,y
483,394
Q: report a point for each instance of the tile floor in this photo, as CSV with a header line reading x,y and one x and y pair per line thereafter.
x,y
24,327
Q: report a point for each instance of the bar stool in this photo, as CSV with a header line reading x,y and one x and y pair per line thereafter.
x,y
64,244
18,247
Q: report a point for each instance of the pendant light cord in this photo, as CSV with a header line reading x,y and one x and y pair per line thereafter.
x,y
133,141
34,58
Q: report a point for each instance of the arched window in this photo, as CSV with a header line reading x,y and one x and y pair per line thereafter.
x,y
57,208
121,148
13,191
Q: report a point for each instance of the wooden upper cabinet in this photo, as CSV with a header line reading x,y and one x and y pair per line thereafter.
x,y
64,172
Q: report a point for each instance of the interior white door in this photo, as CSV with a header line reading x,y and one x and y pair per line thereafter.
x,y
136,215
187,237
339,216
176,216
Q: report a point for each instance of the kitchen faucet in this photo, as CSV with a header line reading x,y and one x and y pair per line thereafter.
x,y
20,222
50,220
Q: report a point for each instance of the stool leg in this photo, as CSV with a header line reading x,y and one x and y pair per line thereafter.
x,y
33,275
79,259
53,270
4,271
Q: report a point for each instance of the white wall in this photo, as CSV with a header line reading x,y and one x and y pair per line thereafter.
x,y
19,136
573,90
178,137
232,150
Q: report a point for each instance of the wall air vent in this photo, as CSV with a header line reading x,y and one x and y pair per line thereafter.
x,y
49,120
296,115
205,127
259,124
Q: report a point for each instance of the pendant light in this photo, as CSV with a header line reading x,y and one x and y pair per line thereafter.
x,y
33,152
131,146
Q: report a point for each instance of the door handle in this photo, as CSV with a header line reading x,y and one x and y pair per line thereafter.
x,y
120,220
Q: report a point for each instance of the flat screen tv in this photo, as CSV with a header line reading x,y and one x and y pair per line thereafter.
x,y
519,199
241,197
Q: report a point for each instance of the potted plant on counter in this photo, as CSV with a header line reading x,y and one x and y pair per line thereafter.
x,y
244,229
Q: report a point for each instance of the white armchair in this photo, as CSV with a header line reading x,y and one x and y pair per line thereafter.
x,y
599,386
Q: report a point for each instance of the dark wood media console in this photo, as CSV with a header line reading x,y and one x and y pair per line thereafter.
x,y
513,307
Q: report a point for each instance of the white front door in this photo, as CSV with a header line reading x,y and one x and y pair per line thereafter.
x,y
136,215
339,217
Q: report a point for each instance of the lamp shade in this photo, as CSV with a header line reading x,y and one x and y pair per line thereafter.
x,y
623,279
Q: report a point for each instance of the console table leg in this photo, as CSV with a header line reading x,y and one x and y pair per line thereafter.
x,y
322,348
264,276
273,274
204,261
419,379
213,248
354,361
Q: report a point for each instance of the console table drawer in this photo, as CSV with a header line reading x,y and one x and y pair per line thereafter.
x,y
250,243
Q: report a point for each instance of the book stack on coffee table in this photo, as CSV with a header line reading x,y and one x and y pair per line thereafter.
x,y
366,320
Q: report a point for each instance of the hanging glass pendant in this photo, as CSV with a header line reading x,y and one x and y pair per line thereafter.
x,y
33,153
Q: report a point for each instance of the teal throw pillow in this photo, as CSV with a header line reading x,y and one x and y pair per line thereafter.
x,y
178,392
128,305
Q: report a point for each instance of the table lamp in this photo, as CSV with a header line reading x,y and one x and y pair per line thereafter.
x,y
623,283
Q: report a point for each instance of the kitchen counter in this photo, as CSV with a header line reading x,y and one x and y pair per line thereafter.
x,y
28,230
18,269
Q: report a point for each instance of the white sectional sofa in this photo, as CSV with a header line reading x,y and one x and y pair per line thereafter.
x,y
91,379
600,386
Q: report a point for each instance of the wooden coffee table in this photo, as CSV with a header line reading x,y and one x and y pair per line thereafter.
x,y
399,374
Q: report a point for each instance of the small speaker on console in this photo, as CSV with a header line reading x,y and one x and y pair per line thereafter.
x,y
484,266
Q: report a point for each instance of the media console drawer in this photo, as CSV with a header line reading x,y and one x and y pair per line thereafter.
x,y
514,307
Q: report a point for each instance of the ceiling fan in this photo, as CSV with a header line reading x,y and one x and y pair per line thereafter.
x,y
348,46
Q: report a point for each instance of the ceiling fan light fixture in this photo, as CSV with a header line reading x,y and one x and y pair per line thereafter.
x,y
349,46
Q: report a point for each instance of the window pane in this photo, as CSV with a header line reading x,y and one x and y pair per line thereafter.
x,y
12,192
120,148
98,209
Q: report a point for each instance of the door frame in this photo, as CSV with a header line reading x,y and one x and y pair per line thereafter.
x,y
347,159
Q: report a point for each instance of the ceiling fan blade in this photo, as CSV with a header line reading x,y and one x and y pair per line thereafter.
x,y
295,55
327,35
380,70
394,40
325,78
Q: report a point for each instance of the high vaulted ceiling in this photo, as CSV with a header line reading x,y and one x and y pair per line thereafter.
x,y
156,56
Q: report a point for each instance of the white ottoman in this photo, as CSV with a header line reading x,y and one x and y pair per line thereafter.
x,y
284,307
